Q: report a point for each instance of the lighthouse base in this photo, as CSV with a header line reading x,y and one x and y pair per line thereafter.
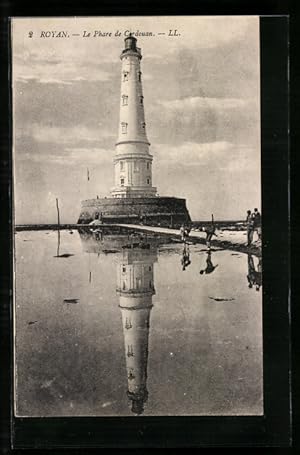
x,y
155,211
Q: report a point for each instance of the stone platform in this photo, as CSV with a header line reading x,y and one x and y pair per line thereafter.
x,y
156,211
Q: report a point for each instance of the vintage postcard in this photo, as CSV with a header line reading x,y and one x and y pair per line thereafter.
x,y
137,216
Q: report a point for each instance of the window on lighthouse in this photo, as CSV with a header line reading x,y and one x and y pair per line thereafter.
x,y
148,166
148,181
121,165
128,324
130,374
124,127
140,76
143,125
125,100
125,76
122,182
130,350
141,99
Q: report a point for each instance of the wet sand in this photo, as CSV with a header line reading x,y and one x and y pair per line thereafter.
x,y
227,240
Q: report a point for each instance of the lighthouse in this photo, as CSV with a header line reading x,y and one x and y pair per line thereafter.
x,y
135,289
133,199
132,161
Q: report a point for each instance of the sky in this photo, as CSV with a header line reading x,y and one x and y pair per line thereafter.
x,y
202,107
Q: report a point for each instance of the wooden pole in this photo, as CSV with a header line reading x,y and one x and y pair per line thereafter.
x,y
58,220
58,231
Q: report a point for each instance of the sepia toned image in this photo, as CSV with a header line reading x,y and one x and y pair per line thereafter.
x,y
137,216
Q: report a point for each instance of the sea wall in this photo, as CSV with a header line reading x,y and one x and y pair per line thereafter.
x,y
156,211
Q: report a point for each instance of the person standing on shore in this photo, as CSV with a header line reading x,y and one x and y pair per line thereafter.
x,y
182,233
257,222
210,231
250,227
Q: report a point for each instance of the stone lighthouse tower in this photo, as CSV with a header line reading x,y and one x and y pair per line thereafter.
x,y
136,288
133,162
133,198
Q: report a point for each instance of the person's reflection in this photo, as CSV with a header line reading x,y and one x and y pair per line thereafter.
x,y
185,259
254,276
98,234
209,265
136,288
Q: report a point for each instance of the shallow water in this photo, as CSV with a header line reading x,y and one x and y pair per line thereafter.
x,y
105,330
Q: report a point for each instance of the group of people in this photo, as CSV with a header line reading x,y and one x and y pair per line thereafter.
x,y
253,221
210,231
253,225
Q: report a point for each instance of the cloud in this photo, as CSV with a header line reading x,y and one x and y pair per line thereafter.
x,y
85,155
204,129
197,102
75,156
196,33
189,153
62,72
246,160
221,155
66,135
204,120
67,61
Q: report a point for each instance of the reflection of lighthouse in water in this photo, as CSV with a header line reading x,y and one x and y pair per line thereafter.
x,y
136,288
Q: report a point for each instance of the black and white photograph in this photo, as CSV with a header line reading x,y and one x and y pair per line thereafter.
x,y
137,216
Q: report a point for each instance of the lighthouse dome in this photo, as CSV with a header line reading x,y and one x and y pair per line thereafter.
x,y
130,42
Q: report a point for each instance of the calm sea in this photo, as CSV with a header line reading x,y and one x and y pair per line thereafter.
x,y
109,325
